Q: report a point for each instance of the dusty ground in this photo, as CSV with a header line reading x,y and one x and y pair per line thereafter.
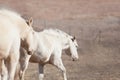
x,y
95,23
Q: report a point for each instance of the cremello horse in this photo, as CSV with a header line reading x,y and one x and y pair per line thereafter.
x,y
13,29
49,45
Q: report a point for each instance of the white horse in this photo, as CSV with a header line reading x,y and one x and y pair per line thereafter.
x,y
13,29
49,45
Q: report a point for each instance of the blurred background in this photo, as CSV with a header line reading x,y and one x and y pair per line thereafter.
x,y
96,25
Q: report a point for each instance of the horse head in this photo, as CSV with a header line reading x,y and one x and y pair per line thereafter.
x,y
28,41
72,48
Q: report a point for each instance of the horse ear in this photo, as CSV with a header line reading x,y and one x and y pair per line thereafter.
x,y
73,38
30,21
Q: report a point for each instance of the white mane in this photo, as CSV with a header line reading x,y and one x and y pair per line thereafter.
x,y
56,32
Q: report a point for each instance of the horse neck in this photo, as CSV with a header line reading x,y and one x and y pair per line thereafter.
x,y
19,22
24,29
35,39
22,26
14,18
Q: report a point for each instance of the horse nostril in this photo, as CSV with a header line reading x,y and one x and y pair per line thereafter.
x,y
74,59
29,52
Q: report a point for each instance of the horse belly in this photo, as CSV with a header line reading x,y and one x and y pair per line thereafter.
x,y
36,58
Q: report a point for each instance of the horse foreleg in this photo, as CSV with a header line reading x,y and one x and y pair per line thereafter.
x,y
21,75
22,72
58,63
11,66
4,71
1,69
24,61
41,71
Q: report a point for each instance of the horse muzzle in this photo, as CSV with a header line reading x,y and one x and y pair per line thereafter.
x,y
75,59
30,52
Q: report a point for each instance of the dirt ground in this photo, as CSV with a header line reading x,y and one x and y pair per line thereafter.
x,y
95,23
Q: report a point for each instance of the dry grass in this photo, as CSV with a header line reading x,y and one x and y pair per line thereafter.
x,y
95,23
